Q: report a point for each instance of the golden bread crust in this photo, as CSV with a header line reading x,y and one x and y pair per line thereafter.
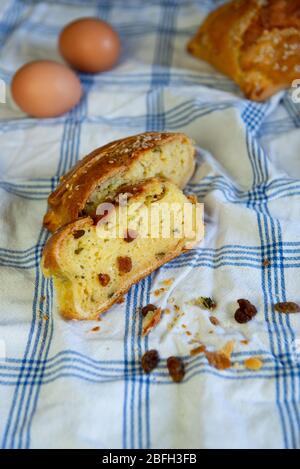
x,y
255,42
69,199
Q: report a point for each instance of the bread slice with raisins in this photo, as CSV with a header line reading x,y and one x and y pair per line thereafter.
x,y
94,261
126,161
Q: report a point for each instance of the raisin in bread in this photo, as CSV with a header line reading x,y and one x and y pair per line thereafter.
x,y
125,161
255,42
94,261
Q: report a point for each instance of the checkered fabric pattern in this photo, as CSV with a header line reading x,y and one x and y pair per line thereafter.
x,y
62,385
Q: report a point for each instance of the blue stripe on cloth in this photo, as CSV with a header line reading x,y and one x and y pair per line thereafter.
x,y
147,443
132,4
276,127
157,121
282,330
144,79
125,30
163,378
126,369
277,188
177,116
174,118
37,378
66,359
213,258
271,370
103,5
12,17
270,234
281,293
143,402
135,323
37,323
69,158
292,109
42,341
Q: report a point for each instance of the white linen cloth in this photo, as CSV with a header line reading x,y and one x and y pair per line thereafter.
x,y
64,386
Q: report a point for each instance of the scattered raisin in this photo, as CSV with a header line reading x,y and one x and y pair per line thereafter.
x,y
78,250
176,369
104,279
245,312
288,307
124,264
130,236
215,321
148,308
150,360
78,234
96,219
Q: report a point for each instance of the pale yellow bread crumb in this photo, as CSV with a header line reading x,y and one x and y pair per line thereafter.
x,y
221,359
253,363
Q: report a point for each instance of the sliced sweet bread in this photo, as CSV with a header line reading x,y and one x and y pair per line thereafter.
x,y
94,261
126,161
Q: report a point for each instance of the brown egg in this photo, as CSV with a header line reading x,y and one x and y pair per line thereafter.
x,y
90,45
44,88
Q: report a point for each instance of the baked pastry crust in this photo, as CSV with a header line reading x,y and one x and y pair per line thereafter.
x,y
69,199
255,42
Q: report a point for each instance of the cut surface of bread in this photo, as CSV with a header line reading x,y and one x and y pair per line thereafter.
x,y
255,42
126,161
95,261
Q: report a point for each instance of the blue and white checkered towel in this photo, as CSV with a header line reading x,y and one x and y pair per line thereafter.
x,y
62,385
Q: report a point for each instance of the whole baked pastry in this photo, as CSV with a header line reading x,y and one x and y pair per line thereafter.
x,y
94,261
126,161
255,42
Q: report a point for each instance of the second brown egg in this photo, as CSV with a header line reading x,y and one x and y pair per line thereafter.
x,y
90,45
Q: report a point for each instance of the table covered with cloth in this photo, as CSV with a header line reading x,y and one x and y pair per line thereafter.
x,y
63,385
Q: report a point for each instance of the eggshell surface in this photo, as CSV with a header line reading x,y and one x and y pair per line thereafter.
x,y
45,88
89,45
